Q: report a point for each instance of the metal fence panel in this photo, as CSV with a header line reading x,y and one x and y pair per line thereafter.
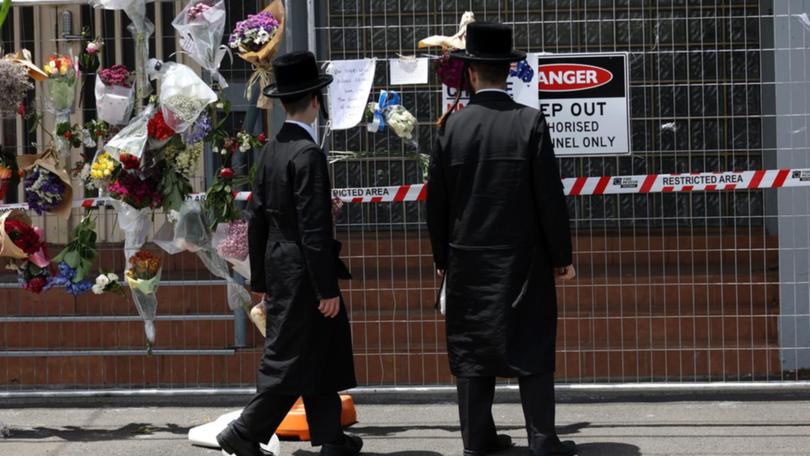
x,y
672,287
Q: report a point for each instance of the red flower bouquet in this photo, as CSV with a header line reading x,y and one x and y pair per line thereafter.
x,y
158,129
18,239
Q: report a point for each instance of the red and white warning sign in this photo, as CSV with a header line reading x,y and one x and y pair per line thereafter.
x,y
585,98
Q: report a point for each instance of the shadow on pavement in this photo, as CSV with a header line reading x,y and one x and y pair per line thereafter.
x,y
387,431
81,434
395,453
608,449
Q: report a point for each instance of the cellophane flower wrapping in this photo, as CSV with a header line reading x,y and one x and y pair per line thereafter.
x,y
238,296
190,231
183,95
132,139
61,86
144,293
114,103
200,27
141,28
401,121
143,278
135,223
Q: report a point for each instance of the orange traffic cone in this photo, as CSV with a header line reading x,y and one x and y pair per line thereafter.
x,y
295,424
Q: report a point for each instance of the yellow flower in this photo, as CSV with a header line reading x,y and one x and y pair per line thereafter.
x,y
107,173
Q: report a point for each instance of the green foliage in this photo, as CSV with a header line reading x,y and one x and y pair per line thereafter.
x,y
80,252
5,7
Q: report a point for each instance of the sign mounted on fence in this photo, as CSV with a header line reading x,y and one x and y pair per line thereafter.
x,y
585,98
521,85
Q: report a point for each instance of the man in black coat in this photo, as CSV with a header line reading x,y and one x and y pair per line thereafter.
x,y
499,227
294,261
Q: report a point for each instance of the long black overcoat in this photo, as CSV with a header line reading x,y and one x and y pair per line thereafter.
x,y
294,260
498,223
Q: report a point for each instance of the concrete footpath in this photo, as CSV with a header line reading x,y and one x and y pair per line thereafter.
x,y
608,429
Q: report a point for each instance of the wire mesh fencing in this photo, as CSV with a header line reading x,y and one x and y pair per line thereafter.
x,y
672,287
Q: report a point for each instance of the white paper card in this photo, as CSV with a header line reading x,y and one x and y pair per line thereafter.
x,y
408,71
348,94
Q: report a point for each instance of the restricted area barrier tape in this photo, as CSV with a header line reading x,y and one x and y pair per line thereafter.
x,y
574,186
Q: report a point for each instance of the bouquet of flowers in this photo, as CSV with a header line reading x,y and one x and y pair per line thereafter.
x,y
231,243
102,171
61,84
75,261
137,188
47,186
14,85
88,58
449,70
388,111
18,238
107,283
143,277
141,28
219,199
115,94
32,277
200,27
183,95
159,133
73,135
257,39
98,130
178,163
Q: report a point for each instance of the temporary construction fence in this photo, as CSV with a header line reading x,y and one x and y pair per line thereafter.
x,y
693,251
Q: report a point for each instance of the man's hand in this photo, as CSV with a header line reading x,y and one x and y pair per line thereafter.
x,y
337,208
260,296
330,307
566,273
441,273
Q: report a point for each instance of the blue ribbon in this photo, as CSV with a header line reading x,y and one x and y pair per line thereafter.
x,y
523,71
386,100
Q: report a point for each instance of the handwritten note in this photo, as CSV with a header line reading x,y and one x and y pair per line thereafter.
x,y
408,71
348,94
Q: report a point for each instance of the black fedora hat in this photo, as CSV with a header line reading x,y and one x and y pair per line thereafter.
x,y
489,42
295,74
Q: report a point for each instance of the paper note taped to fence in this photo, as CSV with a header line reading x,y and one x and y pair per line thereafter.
x,y
408,71
348,94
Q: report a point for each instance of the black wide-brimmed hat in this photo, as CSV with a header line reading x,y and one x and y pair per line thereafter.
x,y
296,73
489,42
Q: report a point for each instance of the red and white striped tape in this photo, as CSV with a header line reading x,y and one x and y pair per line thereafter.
x,y
694,182
574,186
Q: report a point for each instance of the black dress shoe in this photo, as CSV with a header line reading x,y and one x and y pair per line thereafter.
x,y
502,443
567,448
233,444
351,446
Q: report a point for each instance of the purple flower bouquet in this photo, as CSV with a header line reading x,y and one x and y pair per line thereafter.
x,y
44,190
252,34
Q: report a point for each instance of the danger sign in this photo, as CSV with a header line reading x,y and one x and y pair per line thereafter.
x,y
585,100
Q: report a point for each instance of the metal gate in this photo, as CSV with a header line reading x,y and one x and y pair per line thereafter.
x,y
679,287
